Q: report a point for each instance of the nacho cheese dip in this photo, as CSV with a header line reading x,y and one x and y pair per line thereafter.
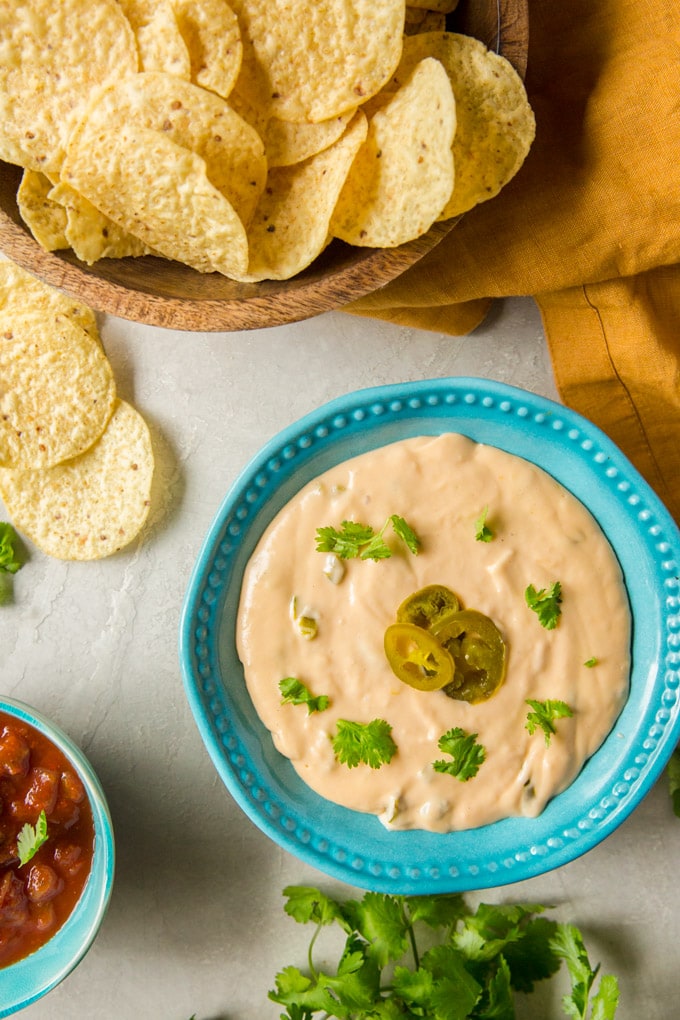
x,y
541,534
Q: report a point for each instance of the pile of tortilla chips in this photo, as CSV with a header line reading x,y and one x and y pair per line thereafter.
x,y
76,461
242,137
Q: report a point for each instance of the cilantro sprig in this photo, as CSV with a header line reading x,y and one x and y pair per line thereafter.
x,y
546,603
544,715
360,540
295,692
31,838
466,754
9,561
369,743
483,532
475,963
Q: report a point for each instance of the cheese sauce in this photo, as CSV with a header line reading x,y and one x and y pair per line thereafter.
x,y
541,534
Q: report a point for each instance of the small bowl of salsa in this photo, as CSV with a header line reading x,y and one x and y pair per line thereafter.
x,y
56,855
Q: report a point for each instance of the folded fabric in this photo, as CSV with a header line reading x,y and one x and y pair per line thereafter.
x,y
590,227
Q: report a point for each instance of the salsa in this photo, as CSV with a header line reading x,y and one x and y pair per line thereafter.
x,y
37,897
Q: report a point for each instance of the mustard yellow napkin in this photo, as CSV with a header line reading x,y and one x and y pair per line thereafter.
x,y
590,227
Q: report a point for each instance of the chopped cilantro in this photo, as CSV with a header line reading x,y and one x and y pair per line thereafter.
x,y
590,662
483,532
543,716
475,963
466,754
545,603
360,540
31,838
364,743
293,691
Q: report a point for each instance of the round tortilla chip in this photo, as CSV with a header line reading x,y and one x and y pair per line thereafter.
x,y
212,35
159,192
316,59
404,172
159,40
52,55
197,120
57,390
91,506
291,223
21,292
287,143
44,218
496,124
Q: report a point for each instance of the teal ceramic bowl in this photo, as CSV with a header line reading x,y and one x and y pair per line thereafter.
x,y
354,847
24,982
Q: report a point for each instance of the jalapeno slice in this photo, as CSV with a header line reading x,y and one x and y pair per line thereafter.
x,y
478,651
428,605
417,658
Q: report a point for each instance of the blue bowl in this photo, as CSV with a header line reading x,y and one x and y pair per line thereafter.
x,y
354,847
23,982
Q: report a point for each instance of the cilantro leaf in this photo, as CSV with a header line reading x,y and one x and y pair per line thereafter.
x,y
483,532
346,542
364,743
360,540
466,754
543,716
546,603
381,920
405,533
31,838
674,780
590,662
9,562
294,692
308,904
567,943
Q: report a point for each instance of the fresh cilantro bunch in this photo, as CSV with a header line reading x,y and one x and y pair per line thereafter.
x,y
474,964
360,540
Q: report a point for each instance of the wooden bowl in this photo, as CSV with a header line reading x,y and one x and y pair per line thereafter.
x,y
162,293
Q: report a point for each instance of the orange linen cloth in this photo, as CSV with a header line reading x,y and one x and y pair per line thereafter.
x,y
590,227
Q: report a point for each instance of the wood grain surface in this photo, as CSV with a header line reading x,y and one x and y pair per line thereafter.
x,y
163,293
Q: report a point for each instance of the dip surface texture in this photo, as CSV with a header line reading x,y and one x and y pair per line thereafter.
x,y
541,534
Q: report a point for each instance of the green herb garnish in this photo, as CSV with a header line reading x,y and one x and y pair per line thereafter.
x,y
293,691
31,838
590,662
567,943
483,532
9,563
545,603
543,716
360,540
475,964
466,754
364,743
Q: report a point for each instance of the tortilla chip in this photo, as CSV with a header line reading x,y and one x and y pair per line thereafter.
x,y
291,223
91,506
57,389
496,125
159,40
212,36
51,58
44,218
313,61
287,143
160,192
20,292
404,172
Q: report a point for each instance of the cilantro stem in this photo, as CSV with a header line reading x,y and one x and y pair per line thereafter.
x,y
310,952
414,946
